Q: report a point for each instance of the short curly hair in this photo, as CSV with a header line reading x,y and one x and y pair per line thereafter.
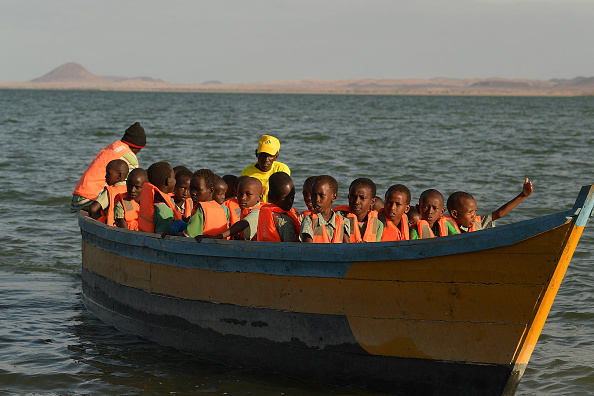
x,y
326,179
400,188
207,175
363,181
158,173
455,200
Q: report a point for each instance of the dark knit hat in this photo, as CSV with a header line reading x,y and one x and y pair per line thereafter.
x,y
135,136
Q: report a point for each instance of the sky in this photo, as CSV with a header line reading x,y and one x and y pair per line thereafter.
x,y
240,41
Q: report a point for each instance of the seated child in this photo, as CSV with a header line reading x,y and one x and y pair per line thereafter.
x,y
249,194
232,204
394,215
157,208
378,204
432,224
101,209
127,205
231,181
210,217
307,195
462,208
277,221
220,190
413,216
181,192
364,225
324,225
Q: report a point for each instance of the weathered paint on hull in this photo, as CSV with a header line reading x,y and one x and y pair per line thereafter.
x,y
188,326
456,315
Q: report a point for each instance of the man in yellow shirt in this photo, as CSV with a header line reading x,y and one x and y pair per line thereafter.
x,y
267,153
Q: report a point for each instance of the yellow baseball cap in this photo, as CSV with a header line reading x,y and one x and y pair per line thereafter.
x,y
268,144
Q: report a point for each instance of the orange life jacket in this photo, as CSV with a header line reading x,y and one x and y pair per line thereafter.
x,y
92,180
476,225
396,233
131,209
246,211
370,230
107,215
234,210
146,213
215,218
320,234
267,230
188,208
424,231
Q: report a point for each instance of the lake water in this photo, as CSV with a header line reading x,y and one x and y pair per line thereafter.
x,y
50,344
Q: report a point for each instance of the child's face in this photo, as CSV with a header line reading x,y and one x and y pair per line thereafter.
x,y
360,200
248,195
286,197
265,161
220,192
307,196
395,206
465,214
322,197
112,176
199,191
182,189
134,187
413,218
431,208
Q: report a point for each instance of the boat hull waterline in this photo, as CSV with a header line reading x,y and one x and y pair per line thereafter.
x,y
456,315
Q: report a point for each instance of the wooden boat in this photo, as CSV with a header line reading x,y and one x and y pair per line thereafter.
x,y
458,315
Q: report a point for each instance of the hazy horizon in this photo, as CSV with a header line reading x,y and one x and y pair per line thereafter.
x,y
261,40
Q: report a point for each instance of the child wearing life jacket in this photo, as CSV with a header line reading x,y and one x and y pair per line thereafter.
x,y
378,204
231,203
157,209
231,181
462,208
210,217
181,192
432,224
307,194
278,220
249,193
413,216
364,224
127,205
101,209
394,214
220,190
324,225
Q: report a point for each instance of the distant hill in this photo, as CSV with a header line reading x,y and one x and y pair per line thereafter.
x,y
70,72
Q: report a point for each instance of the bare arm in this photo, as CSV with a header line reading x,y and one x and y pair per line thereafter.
x,y
121,223
95,210
505,209
231,231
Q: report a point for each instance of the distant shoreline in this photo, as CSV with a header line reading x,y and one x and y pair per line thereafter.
x,y
493,87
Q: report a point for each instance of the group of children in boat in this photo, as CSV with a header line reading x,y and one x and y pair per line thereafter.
x,y
258,205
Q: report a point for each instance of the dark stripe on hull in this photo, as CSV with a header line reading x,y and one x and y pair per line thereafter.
x,y
312,347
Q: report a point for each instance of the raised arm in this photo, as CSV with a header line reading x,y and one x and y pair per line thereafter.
x,y
231,231
505,209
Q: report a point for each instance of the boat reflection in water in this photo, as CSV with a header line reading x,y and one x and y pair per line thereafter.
x,y
456,315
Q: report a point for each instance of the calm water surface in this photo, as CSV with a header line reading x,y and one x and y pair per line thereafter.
x,y
50,344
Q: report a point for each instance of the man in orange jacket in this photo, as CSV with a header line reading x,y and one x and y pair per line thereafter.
x,y
92,181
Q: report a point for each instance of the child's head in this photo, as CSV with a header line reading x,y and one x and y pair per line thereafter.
x,y
307,192
378,204
281,190
136,179
397,202
431,206
161,175
238,181
177,169
116,171
182,184
361,193
267,152
324,191
462,207
413,215
249,192
231,185
220,190
202,185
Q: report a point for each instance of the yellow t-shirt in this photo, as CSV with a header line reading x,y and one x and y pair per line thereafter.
x,y
252,171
